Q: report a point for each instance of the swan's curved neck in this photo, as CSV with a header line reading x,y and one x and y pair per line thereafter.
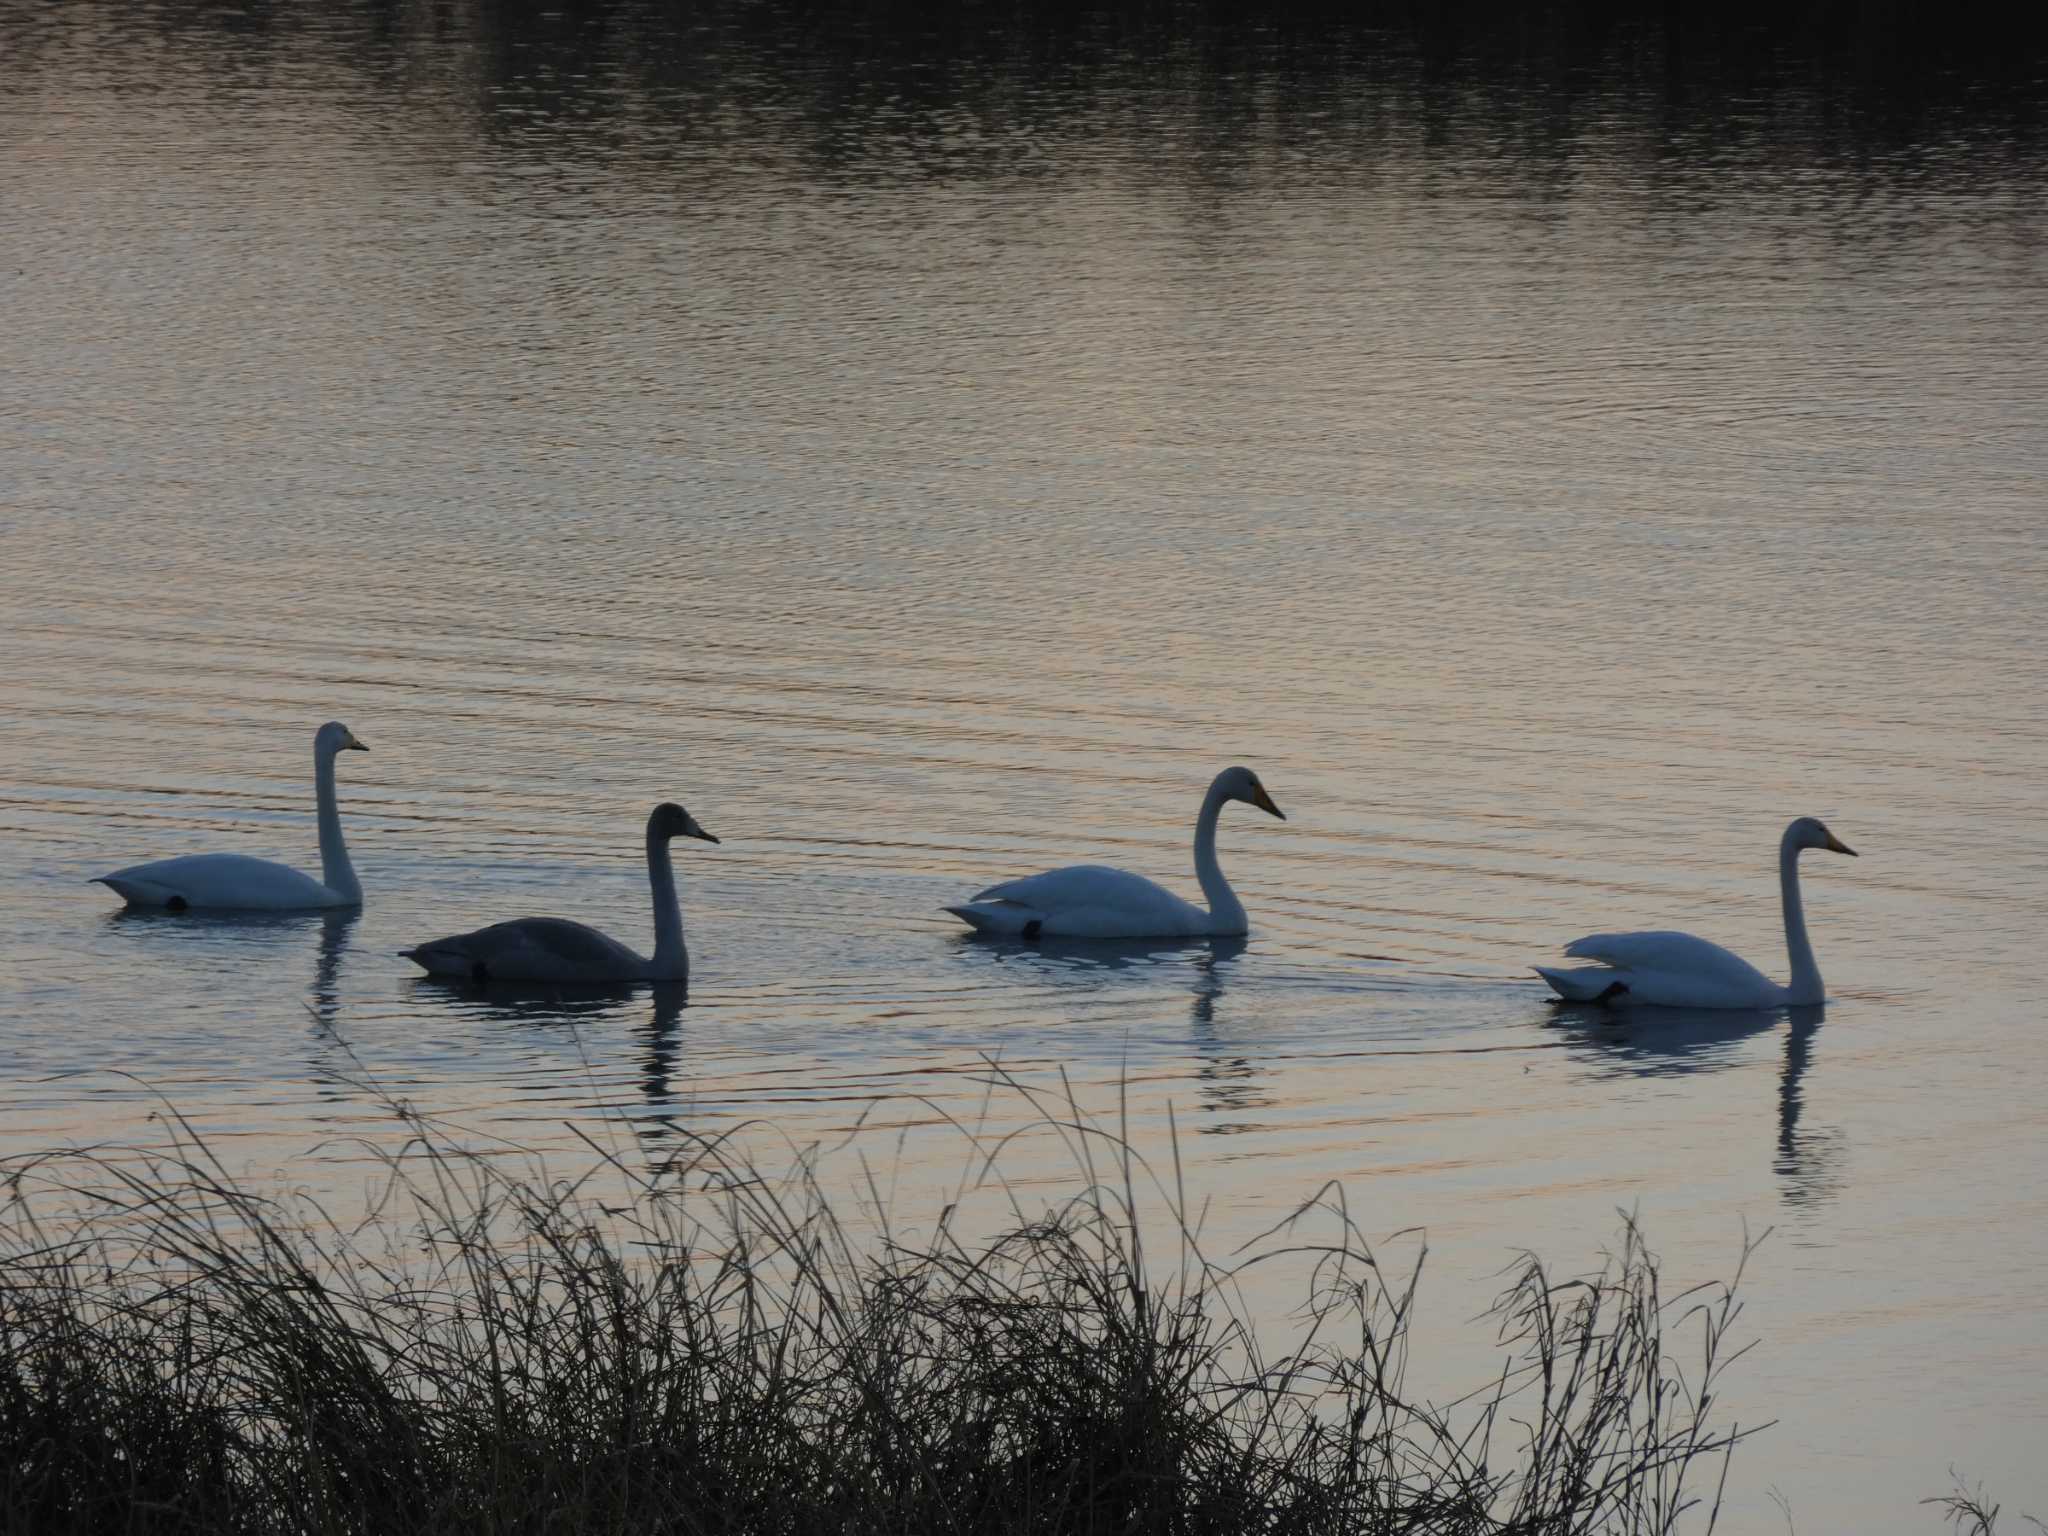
x,y
1226,912
336,873
1805,986
671,956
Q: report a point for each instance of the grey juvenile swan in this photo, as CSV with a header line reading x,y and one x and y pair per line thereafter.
x,y
552,949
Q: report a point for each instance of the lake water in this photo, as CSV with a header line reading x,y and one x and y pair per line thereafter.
x,y
1552,458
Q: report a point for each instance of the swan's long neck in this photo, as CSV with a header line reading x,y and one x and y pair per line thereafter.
x,y
1805,986
336,873
1226,912
671,955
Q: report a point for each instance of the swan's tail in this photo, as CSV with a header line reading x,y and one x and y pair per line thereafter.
x,y
137,893
437,959
1590,984
1004,918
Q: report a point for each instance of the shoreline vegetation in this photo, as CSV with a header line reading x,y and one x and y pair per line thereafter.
x,y
493,1350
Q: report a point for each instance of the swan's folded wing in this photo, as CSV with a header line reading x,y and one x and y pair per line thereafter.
x,y
571,943
1076,886
1662,950
554,942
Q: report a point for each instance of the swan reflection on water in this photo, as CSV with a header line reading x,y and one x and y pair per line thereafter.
x,y
1228,1081
237,943
1231,1085
1089,961
1808,1161
335,929
1663,1042
1676,1042
228,937
660,1031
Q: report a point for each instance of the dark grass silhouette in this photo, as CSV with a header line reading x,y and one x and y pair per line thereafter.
x,y
1969,1513
495,1352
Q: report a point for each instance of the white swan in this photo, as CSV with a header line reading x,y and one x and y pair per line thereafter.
x,y
1091,901
236,881
552,949
1677,970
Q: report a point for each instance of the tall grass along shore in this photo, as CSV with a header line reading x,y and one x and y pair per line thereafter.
x,y
718,1351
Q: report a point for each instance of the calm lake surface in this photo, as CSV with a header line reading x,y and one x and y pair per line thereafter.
x,y
1553,460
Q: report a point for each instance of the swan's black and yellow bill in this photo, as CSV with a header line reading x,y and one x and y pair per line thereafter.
x,y
353,744
697,831
1836,845
1265,803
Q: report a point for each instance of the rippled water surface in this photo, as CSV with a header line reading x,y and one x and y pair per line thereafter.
x,y
932,456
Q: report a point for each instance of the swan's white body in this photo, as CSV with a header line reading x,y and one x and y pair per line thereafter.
x,y
1677,970
553,949
1672,970
231,880
1093,901
235,881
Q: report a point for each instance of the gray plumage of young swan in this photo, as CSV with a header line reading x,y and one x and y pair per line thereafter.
x,y
552,949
